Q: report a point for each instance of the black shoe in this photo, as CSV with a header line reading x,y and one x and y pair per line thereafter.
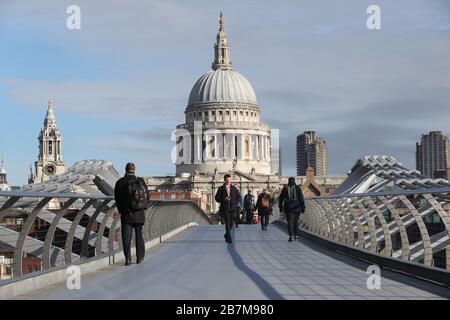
x,y
290,239
127,262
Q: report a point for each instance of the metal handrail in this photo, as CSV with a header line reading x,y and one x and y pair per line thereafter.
x,y
80,242
390,193
382,223
37,194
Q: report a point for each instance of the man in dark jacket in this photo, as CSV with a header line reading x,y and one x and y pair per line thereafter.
x,y
264,206
292,203
130,219
228,197
249,206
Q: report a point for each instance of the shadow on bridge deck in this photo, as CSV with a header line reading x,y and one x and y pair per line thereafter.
x,y
198,264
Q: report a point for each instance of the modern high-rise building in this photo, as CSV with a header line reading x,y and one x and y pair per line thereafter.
x,y
311,152
432,154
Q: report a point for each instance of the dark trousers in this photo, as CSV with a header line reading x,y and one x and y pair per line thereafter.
x,y
228,217
237,218
292,219
127,233
264,217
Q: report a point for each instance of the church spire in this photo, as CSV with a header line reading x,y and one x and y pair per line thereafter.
x,y
3,181
221,49
221,22
2,169
50,118
50,160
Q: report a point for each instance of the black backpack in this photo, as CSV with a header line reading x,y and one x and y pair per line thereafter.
x,y
249,202
137,194
292,202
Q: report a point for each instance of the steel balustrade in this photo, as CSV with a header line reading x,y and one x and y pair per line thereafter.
x,y
390,224
93,229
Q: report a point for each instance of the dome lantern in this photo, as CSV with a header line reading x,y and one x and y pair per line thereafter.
x,y
221,49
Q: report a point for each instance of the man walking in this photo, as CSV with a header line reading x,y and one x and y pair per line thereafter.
x,y
249,206
264,206
292,203
228,197
132,198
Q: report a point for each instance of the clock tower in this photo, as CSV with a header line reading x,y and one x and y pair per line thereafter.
x,y
50,160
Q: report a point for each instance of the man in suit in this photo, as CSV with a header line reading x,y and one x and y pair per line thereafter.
x,y
228,197
292,203
131,219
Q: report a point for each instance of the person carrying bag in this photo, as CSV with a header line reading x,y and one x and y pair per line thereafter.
x,y
292,203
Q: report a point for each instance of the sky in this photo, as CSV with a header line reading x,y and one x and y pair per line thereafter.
x,y
120,84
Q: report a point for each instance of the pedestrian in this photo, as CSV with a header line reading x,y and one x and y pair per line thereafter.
x,y
238,211
292,203
249,207
228,197
132,198
264,207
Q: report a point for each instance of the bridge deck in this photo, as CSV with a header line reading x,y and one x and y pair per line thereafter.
x,y
198,264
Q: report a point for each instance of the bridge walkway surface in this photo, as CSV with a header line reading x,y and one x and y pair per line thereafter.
x,y
198,264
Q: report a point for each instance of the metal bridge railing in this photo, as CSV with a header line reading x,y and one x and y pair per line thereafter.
x,y
40,231
407,225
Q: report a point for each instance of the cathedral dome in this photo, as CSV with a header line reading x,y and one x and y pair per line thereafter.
x,y
222,85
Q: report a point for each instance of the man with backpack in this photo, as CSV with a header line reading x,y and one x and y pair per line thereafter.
x,y
249,207
264,206
228,197
132,198
292,203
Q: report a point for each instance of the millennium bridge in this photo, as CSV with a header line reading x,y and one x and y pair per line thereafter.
x,y
383,234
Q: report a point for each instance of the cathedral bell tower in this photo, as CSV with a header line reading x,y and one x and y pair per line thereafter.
x,y
50,160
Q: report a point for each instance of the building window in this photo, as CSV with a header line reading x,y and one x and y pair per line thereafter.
x,y
212,146
228,112
247,147
251,114
220,113
50,147
246,113
234,113
213,113
242,113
